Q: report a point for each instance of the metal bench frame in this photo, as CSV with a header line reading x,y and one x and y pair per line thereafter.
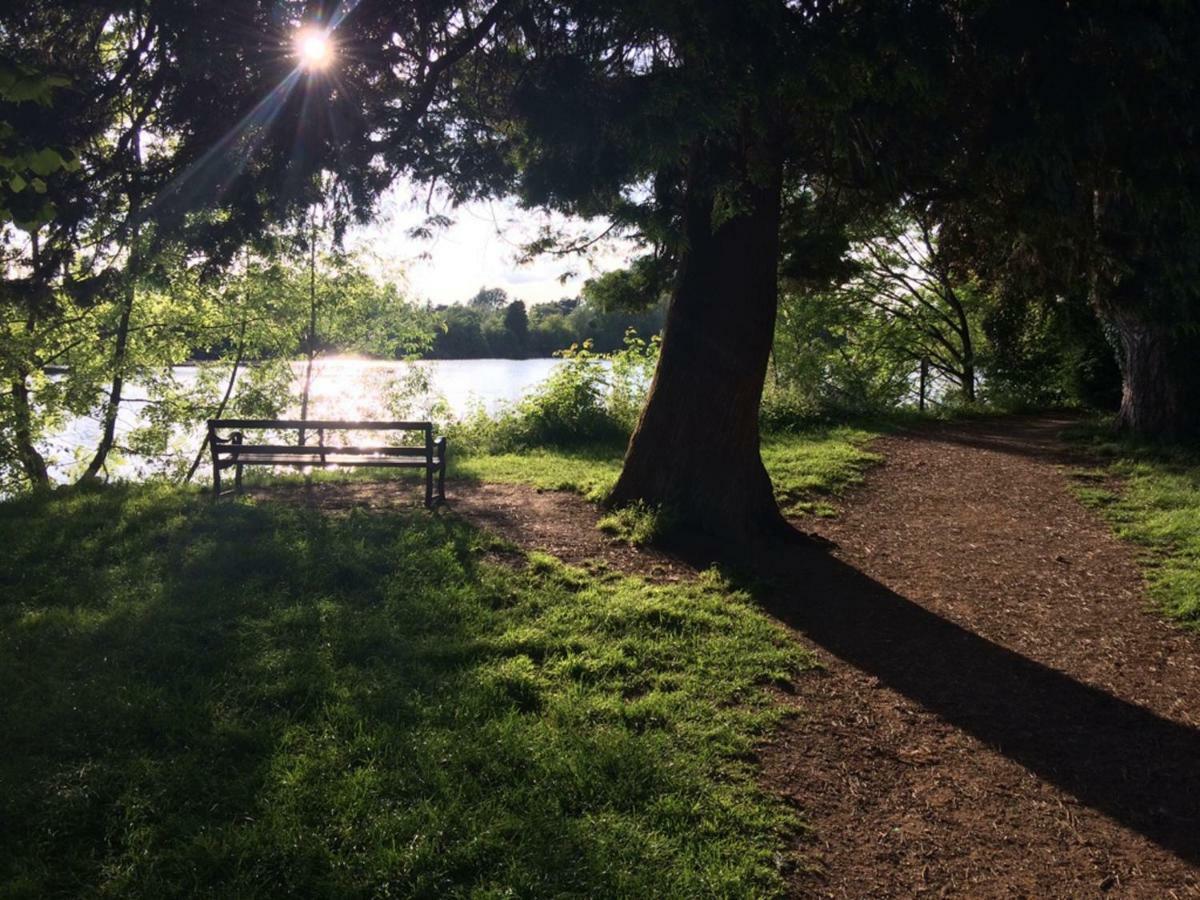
x,y
233,452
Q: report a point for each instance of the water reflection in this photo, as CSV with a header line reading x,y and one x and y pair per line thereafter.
x,y
342,388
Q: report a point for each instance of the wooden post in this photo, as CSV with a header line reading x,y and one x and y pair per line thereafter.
x,y
212,443
924,379
428,466
237,472
441,445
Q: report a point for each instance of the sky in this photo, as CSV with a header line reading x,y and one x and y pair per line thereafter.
x,y
480,249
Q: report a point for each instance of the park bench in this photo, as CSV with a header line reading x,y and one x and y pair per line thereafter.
x,y
232,450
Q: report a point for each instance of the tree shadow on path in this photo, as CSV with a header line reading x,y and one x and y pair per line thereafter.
x,y
1039,438
1137,767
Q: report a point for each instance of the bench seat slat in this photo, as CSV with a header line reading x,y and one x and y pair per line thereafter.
x,y
314,424
245,450
285,460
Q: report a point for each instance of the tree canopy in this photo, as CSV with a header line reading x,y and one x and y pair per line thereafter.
x,y
1044,153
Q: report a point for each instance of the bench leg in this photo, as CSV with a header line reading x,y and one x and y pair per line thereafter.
x,y
442,479
237,478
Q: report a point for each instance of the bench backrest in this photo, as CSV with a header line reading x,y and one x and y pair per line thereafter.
x,y
236,444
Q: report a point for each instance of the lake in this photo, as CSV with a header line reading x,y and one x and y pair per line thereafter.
x,y
342,388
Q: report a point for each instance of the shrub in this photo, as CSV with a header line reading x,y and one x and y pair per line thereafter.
x,y
592,398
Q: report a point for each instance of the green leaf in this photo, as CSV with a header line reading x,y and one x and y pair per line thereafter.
x,y
43,162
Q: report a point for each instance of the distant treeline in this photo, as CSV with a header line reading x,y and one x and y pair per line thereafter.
x,y
492,325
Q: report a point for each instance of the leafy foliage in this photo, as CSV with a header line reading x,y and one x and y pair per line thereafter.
x,y
24,165
592,398
495,330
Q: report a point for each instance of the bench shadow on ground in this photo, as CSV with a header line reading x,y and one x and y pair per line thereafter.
x,y
1136,767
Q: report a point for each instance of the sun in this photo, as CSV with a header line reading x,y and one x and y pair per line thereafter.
x,y
314,47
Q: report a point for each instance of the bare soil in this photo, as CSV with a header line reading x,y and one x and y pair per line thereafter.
x,y
998,712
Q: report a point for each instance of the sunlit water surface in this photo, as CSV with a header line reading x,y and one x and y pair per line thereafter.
x,y
342,388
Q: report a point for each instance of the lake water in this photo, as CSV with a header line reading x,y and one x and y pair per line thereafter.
x,y
342,388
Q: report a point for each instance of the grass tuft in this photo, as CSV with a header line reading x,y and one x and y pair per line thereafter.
x,y
637,523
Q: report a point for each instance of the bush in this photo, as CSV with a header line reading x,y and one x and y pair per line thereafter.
x,y
592,398
786,409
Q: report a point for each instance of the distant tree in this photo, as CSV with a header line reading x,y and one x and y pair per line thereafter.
x,y
1049,350
489,300
516,323
903,275
458,334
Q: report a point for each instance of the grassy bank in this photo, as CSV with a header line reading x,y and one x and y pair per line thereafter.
x,y
1151,496
257,700
809,468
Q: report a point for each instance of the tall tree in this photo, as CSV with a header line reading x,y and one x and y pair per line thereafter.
x,y
694,127
682,123
1074,169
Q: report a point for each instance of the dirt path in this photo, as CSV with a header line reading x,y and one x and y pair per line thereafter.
x,y
998,715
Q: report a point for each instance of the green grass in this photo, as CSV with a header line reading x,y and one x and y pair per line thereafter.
x,y
808,468
589,471
1151,496
637,523
260,700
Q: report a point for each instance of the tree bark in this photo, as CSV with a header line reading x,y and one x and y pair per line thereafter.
x,y
968,346
695,450
108,430
32,462
121,351
1157,329
1160,371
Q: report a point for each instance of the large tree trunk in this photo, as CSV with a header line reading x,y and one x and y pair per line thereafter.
x,y
1160,371
695,450
1136,293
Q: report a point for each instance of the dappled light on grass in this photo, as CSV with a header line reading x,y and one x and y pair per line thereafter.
x,y
262,700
